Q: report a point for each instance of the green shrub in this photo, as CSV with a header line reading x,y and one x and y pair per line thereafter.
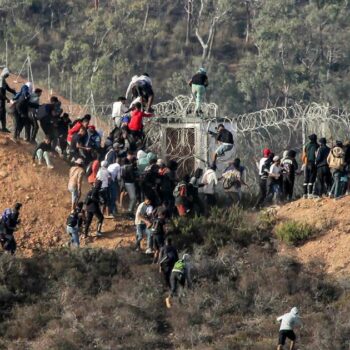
x,y
293,232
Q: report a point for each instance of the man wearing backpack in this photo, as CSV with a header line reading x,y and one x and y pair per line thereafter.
x,y
168,256
336,164
181,197
74,223
9,221
76,174
289,168
234,178
210,182
264,167
180,274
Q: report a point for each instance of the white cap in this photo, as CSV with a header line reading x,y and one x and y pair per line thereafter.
x,y
79,161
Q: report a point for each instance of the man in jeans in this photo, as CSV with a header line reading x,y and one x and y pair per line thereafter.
x,y
74,223
129,176
113,188
225,140
142,223
336,164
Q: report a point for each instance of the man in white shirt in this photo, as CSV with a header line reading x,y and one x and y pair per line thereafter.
x,y
119,110
210,181
141,86
275,178
103,176
288,322
142,222
113,188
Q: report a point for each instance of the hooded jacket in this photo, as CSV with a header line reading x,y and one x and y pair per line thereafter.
x,y
289,320
310,151
322,155
142,161
3,84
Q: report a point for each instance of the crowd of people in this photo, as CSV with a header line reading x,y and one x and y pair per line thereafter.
x,y
122,166
325,169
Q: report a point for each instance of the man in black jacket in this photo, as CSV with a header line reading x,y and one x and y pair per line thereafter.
x,y
168,256
21,115
310,169
3,98
225,139
9,222
324,177
93,202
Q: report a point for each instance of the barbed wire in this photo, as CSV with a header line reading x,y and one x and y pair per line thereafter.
x,y
175,132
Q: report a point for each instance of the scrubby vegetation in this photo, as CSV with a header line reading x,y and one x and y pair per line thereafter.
x,y
95,299
293,232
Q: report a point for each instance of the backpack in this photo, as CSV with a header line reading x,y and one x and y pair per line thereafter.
x,y
169,258
72,220
231,178
180,266
336,162
180,190
6,216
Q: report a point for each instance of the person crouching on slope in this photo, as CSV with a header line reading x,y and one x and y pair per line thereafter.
x,y
288,322
181,274
43,150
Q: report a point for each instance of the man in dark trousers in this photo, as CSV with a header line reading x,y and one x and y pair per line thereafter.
x,y
93,202
47,115
324,177
309,161
3,98
21,115
63,124
8,225
168,256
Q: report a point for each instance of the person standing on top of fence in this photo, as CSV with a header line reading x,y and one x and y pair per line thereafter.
x,y
3,98
199,83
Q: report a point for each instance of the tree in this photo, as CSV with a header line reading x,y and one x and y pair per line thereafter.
x,y
207,15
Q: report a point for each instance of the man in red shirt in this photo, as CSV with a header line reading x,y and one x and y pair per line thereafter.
x,y
135,125
84,122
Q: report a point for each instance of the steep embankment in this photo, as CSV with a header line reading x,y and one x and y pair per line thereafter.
x,y
331,220
46,201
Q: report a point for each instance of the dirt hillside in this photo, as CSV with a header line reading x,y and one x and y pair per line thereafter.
x,y
332,222
46,201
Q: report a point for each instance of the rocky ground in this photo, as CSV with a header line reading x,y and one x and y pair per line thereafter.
x,y
46,201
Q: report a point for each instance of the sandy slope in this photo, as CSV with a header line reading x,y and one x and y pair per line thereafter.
x,y
332,220
46,201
